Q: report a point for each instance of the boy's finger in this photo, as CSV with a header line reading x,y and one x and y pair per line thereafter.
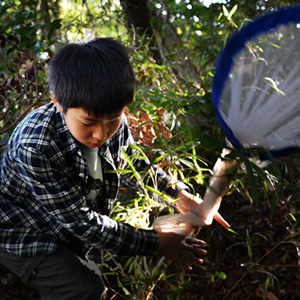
x,y
194,256
183,263
194,241
221,220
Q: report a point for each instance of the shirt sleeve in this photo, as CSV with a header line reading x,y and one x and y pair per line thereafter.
x,y
56,206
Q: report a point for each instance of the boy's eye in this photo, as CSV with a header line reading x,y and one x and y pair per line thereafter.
x,y
84,124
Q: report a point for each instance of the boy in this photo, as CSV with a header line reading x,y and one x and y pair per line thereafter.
x,y
56,193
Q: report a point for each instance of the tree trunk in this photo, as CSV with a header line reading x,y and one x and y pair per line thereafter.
x,y
137,17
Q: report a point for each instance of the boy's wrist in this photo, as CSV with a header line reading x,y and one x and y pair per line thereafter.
x,y
174,191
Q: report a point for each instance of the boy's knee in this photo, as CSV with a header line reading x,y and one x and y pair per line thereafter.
x,y
93,283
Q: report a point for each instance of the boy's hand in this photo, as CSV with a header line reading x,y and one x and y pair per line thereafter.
x,y
187,202
181,249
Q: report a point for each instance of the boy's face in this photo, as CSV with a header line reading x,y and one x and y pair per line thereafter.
x,y
88,130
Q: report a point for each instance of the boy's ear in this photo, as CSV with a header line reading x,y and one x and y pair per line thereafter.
x,y
56,102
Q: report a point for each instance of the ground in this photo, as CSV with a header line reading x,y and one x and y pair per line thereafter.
x,y
260,260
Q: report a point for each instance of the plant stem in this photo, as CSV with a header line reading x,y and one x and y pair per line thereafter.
x,y
265,255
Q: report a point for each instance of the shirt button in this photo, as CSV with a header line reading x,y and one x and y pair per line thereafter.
x,y
81,175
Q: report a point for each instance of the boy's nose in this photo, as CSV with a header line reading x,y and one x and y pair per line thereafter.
x,y
100,134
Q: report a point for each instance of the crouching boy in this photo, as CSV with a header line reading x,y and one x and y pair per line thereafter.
x,y
56,193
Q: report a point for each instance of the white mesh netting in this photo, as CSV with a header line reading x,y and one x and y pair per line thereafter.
x,y
261,98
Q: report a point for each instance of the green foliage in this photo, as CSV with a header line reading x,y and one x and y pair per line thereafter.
x,y
26,41
190,36
83,20
25,28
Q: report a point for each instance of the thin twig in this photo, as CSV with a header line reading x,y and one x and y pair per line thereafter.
x,y
257,263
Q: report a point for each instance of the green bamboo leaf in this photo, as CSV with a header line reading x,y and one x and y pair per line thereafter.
x,y
222,275
266,287
122,171
252,182
226,13
122,286
187,163
195,161
153,190
232,12
135,173
232,231
292,216
137,148
158,159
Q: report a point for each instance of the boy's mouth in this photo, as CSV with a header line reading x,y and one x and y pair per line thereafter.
x,y
95,145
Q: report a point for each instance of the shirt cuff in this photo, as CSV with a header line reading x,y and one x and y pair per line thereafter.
x,y
137,241
173,191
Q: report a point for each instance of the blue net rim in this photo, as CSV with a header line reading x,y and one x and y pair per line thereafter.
x,y
233,46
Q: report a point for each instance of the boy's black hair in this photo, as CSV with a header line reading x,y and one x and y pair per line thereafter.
x,y
96,76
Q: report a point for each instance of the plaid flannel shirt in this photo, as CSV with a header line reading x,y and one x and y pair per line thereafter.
x,y
44,177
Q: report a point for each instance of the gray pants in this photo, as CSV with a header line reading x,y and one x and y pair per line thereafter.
x,y
59,276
